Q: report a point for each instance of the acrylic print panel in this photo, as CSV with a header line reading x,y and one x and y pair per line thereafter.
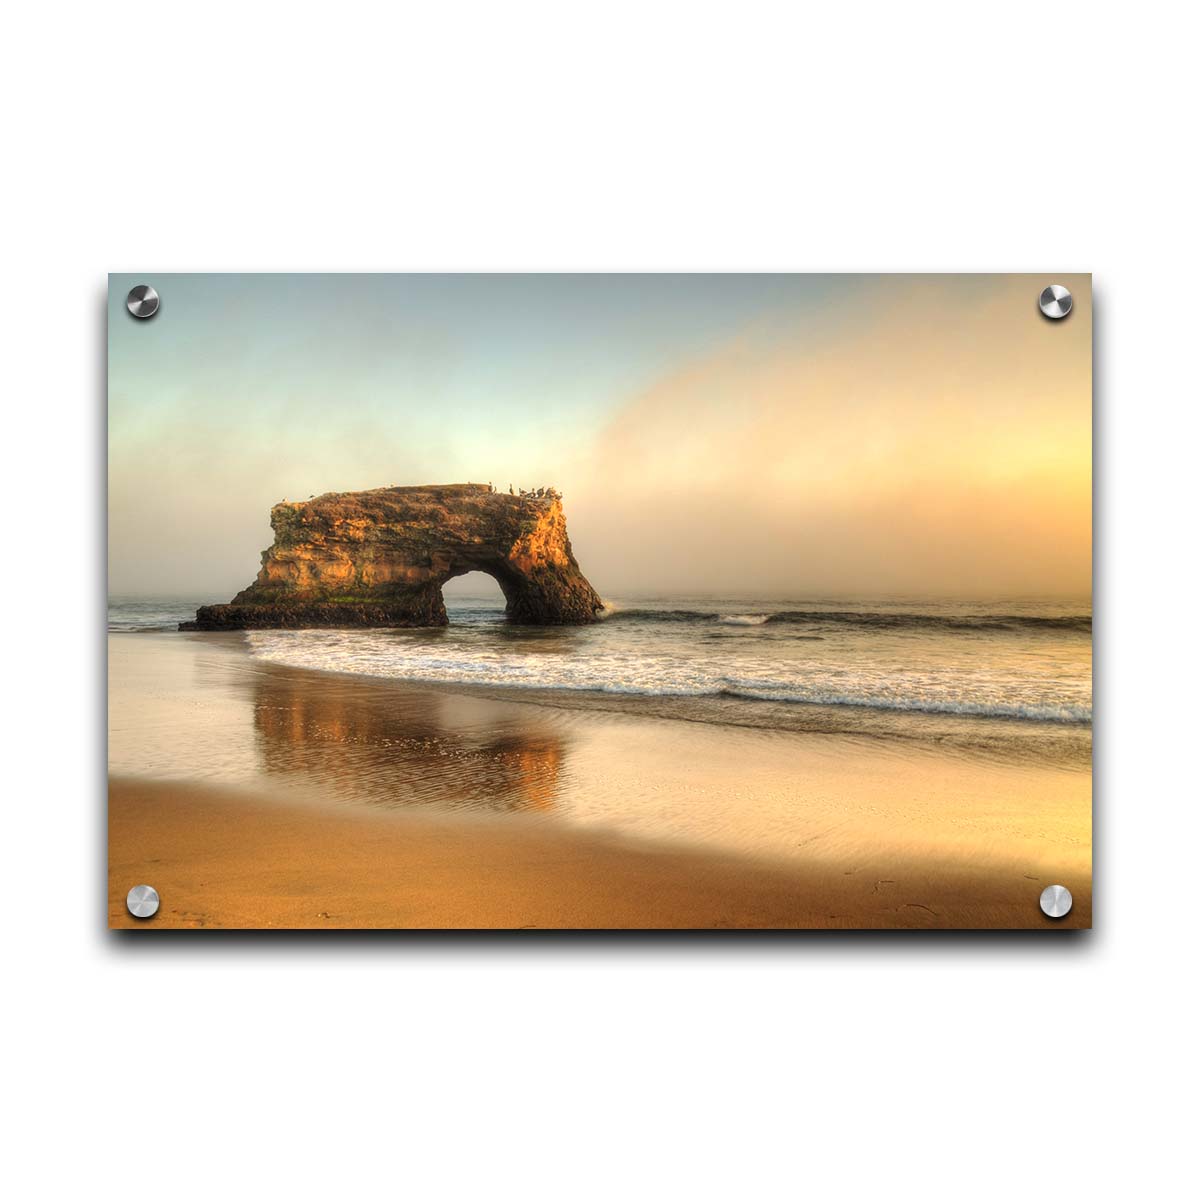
x,y
666,601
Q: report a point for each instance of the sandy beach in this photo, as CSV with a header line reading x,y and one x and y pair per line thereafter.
x,y
254,795
222,858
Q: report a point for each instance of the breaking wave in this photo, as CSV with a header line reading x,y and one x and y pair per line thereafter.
x,y
989,622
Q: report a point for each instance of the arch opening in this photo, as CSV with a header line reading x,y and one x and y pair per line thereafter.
x,y
474,598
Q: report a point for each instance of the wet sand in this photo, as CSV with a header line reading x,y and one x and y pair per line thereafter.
x,y
252,794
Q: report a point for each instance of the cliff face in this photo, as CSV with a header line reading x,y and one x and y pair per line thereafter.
x,y
381,557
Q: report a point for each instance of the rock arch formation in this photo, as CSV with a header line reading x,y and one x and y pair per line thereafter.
x,y
381,558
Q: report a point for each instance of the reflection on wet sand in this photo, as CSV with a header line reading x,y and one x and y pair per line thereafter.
x,y
380,745
199,708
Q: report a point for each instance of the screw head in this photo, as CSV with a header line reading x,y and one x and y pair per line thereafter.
x,y
142,301
142,901
1055,301
1056,901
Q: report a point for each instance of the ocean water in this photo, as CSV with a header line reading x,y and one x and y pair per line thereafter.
x,y
149,614
992,676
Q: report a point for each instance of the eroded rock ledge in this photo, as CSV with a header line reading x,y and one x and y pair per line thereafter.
x,y
381,557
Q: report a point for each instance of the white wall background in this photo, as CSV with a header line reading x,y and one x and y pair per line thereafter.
x,y
674,136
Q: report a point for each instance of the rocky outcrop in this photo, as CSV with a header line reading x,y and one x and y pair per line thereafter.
x,y
381,558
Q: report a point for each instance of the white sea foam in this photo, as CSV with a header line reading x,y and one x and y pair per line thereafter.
x,y
935,665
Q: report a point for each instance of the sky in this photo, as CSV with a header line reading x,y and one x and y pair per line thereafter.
x,y
775,435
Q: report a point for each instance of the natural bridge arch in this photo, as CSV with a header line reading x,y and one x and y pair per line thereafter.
x,y
382,557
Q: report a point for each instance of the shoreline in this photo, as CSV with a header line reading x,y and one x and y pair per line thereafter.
x,y
1064,744
246,784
